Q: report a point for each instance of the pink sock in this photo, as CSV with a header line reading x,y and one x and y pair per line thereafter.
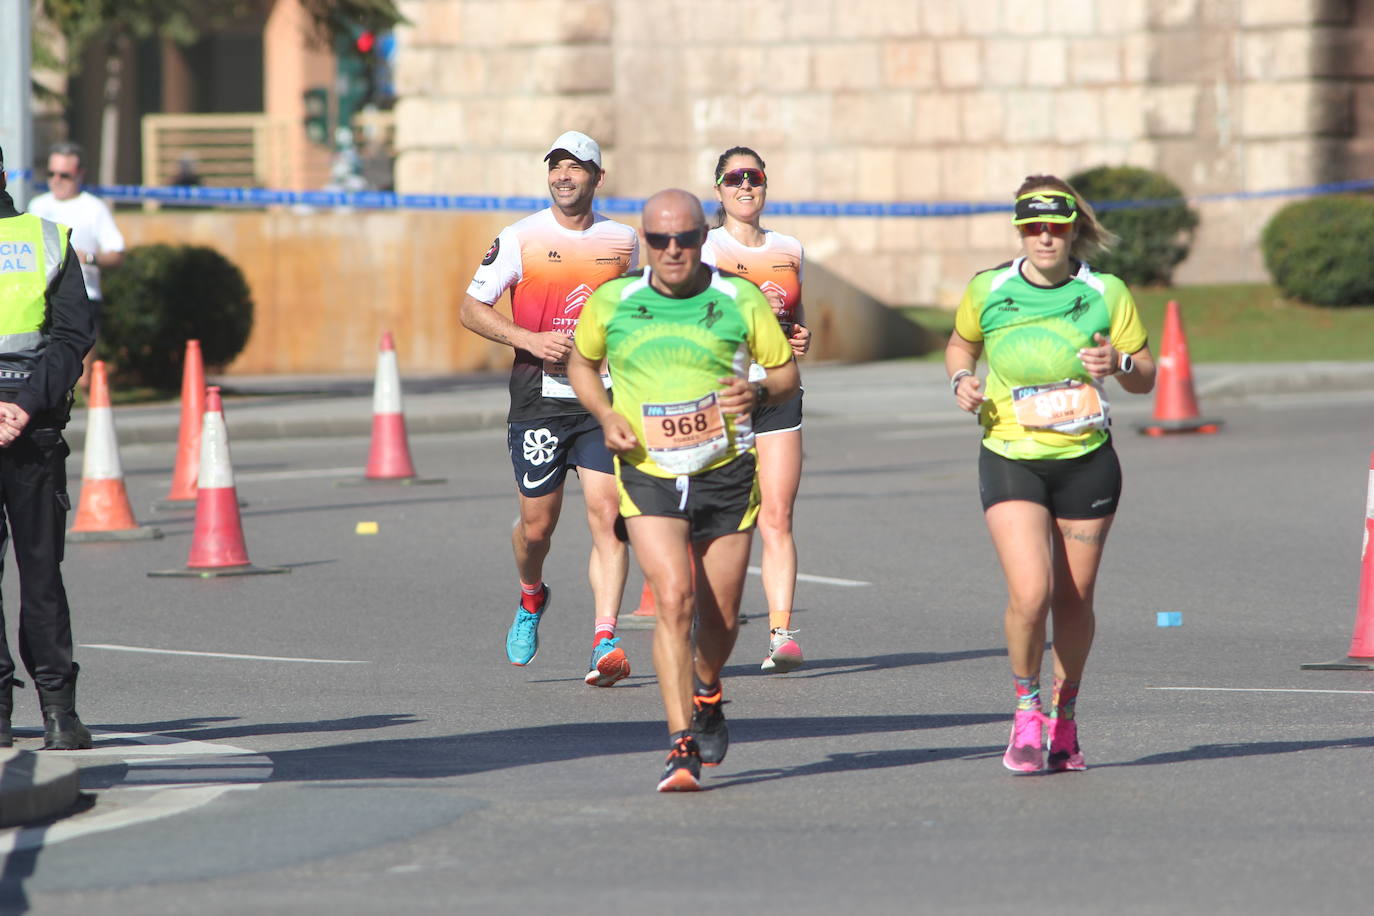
x,y
605,629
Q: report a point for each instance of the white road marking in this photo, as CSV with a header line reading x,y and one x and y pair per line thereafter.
x,y
1262,689
205,772
254,658
820,580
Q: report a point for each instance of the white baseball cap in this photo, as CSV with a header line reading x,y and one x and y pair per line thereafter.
x,y
582,147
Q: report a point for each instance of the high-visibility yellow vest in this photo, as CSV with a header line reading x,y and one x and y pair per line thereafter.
x,y
32,251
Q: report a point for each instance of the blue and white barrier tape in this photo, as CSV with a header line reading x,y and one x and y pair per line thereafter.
x,y
386,200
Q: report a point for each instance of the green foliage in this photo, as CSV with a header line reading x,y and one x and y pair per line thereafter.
x,y
1152,240
163,296
1317,250
83,21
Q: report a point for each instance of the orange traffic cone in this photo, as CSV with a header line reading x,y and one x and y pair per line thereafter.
x,y
388,461
1175,404
217,546
187,467
1361,655
104,513
644,617
646,603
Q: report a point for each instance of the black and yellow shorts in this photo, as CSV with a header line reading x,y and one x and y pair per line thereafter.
x,y
714,503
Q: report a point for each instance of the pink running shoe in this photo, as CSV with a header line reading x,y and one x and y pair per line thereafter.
x,y
784,654
1064,752
1025,752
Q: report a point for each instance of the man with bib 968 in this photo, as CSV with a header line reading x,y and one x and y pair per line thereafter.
x,y
1053,330
678,338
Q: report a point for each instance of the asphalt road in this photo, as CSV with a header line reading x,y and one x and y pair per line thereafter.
x,y
356,743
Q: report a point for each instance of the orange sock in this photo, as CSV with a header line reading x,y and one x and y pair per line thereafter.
x,y
779,620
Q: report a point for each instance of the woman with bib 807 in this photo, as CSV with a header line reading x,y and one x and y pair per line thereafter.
x,y
1053,330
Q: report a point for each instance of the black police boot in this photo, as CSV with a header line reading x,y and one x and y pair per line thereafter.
x,y
6,710
62,728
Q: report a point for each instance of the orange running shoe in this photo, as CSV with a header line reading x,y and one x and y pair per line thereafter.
x,y
682,770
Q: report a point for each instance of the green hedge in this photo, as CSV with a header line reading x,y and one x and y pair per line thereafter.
x,y
163,296
1153,240
1318,251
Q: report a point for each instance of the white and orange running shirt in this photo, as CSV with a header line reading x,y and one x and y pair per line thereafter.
x,y
551,272
775,267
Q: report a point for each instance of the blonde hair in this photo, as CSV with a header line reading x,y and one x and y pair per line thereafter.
x,y
1092,237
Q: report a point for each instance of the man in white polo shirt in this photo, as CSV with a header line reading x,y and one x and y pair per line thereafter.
x,y
96,239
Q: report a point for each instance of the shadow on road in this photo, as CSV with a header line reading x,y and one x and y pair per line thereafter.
x,y
859,663
861,760
480,752
1237,749
20,863
197,729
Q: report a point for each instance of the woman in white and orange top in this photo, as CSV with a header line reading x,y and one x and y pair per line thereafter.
x,y
773,262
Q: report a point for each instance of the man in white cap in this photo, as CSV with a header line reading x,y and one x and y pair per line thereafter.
x,y
551,262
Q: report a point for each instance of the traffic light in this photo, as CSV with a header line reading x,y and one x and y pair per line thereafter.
x,y
357,66
317,115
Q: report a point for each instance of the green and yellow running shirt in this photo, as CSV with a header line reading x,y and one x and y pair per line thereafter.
x,y
1031,336
665,356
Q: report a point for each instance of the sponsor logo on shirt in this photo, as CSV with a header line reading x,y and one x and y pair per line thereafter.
x,y
492,252
641,311
711,316
768,286
555,256
576,299
1077,309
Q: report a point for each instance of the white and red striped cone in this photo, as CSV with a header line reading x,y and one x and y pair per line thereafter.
x,y
186,469
1361,654
104,513
388,460
217,545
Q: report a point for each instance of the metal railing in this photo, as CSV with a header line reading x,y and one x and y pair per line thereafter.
x,y
213,150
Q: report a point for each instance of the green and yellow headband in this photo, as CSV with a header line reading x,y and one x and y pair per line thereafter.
x,y
1045,207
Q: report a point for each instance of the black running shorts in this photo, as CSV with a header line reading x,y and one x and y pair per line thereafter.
x,y
778,418
1088,486
541,451
717,502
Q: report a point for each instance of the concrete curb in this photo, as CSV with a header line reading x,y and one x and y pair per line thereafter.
x,y
269,408
35,787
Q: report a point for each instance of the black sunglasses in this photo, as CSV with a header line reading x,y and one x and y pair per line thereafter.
x,y
736,177
658,241
70,176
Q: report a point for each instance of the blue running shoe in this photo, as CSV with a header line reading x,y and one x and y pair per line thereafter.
x,y
522,640
608,665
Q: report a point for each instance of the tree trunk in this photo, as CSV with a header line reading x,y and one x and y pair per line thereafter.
x,y
109,116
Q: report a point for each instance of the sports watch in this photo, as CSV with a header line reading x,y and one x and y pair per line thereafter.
x,y
1127,365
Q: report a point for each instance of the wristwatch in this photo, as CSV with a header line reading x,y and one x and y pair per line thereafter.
x,y
1127,364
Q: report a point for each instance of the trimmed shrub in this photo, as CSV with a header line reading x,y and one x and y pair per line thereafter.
x,y
1318,250
1152,240
163,296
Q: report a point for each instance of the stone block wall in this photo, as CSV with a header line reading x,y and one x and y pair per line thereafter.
x,y
898,100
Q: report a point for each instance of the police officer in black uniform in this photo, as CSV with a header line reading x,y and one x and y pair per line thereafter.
x,y
47,323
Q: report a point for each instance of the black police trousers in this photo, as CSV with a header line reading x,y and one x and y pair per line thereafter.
x,y
33,508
